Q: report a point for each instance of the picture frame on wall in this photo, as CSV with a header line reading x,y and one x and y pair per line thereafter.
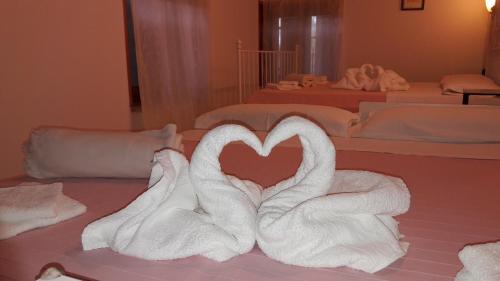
x,y
412,5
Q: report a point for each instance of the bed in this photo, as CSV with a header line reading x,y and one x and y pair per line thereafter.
x,y
257,68
454,202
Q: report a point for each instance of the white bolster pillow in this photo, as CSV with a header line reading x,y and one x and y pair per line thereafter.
x,y
57,152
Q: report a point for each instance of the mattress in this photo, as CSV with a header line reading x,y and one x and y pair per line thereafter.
x,y
318,95
431,93
419,92
454,202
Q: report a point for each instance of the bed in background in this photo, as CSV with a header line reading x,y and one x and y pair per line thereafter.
x,y
257,68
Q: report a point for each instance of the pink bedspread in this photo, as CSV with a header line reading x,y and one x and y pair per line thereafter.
x,y
454,203
319,95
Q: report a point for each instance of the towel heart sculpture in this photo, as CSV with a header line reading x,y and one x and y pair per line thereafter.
x,y
318,217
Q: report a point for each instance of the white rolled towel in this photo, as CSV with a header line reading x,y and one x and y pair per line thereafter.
x,y
481,262
351,226
180,215
33,205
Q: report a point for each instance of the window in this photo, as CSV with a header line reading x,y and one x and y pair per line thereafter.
x,y
312,50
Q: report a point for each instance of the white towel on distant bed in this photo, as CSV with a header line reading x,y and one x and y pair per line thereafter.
x,y
304,80
284,85
372,78
299,224
33,205
168,222
481,262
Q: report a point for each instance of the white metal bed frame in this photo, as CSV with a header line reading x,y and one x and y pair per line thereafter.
x,y
257,68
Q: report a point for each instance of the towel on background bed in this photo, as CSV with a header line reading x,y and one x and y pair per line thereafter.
x,y
32,205
372,78
481,262
187,210
304,80
284,85
322,218
58,152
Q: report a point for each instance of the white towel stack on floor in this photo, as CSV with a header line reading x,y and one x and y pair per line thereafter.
x,y
321,219
318,217
168,221
32,205
481,262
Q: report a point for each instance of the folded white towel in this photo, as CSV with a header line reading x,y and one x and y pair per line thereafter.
x,y
29,206
321,79
352,226
283,87
481,262
304,80
372,78
288,83
166,221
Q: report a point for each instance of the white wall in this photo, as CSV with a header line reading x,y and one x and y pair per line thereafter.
x,y
448,36
63,63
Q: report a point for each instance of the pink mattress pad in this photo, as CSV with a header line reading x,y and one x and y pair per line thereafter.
x,y
318,95
454,202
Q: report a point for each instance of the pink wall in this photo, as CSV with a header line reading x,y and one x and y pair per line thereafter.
x,y
230,21
63,63
448,36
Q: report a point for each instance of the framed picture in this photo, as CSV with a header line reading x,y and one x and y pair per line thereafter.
x,y
412,5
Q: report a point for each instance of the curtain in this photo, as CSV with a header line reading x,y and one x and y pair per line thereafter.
x,y
492,56
313,25
173,58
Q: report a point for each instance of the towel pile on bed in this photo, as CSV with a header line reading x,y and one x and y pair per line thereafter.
x,y
296,81
32,205
372,78
284,85
304,80
319,217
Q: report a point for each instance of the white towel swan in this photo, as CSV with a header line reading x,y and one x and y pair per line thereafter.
x,y
230,202
166,221
372,78
298,224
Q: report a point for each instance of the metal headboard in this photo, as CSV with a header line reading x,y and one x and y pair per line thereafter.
x,y
256,68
